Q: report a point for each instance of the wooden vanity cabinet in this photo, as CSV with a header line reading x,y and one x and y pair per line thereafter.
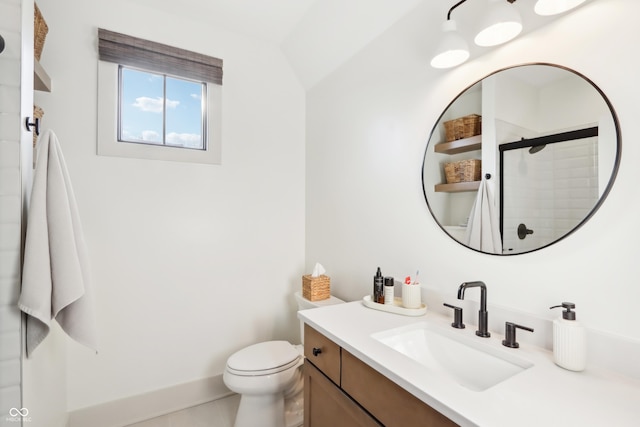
x,y
341,390
325,405
324,353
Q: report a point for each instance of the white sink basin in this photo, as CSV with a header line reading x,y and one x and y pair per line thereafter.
x,y
474,364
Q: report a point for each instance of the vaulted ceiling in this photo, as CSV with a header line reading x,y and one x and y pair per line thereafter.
x,y
317,36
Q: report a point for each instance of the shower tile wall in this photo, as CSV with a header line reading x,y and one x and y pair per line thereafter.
x,y
552,191
10,211
576,183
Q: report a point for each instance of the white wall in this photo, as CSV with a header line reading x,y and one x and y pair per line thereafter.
x,y
190,262
367,129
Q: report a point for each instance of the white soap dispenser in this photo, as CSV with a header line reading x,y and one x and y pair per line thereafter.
x,y
569,340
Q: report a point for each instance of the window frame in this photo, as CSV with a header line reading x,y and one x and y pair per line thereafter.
x,y
117,49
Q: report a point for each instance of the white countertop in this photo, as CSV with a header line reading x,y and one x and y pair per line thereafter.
x,y
543,395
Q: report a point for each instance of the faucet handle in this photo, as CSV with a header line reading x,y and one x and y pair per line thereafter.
x,y
457,316
510,334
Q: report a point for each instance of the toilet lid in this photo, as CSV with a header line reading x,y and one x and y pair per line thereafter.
x,y
264,356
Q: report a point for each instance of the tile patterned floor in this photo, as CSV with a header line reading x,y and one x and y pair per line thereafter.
x,y
219,413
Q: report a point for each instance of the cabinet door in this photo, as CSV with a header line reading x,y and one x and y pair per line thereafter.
x,y
384,399
325,405
322,352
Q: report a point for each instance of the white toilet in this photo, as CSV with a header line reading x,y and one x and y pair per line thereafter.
x,y
268,376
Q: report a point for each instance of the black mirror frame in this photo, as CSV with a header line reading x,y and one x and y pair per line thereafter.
x,y
605,193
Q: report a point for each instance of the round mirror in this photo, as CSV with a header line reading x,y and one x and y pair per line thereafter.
x,y
521,159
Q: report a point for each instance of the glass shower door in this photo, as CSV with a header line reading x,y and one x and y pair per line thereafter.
x,y
547,191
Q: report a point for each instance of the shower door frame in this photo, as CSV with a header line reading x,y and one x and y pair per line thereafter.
x,y
588,132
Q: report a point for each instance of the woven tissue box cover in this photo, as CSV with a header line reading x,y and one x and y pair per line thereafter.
x,y
316,288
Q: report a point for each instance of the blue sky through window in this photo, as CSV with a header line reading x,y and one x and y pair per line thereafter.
x,y
142,109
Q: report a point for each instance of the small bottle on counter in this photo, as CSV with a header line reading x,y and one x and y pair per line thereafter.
x,y
569,340
378,287
388,290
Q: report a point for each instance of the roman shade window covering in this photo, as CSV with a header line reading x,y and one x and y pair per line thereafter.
x,y
132,51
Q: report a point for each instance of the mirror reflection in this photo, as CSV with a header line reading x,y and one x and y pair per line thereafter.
x,y
521,159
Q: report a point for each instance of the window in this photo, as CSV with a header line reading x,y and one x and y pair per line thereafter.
x,y
157,102
161,110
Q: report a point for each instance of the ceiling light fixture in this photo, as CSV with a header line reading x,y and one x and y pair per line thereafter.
x,y
502,23
555,7
453,49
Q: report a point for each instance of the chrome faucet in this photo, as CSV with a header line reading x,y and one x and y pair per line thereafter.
x,y
482,314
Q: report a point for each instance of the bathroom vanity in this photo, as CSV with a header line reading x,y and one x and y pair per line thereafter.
x,y
354,376
351,393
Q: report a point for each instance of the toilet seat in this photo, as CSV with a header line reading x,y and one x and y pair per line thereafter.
x,y
264,358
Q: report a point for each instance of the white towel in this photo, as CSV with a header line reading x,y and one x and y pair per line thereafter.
x,y
483,230
55,276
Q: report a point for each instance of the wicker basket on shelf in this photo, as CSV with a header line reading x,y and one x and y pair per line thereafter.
x,y
40,30
463,127
463,171
316,288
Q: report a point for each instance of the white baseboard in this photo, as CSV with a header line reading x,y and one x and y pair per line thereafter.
x,y
142,407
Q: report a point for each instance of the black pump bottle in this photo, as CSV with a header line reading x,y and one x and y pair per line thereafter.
x,y
378,287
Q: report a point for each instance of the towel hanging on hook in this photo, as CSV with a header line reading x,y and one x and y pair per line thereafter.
x,y
56,282
483,232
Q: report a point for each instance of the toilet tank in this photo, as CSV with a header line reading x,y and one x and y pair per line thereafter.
x,y
305,304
